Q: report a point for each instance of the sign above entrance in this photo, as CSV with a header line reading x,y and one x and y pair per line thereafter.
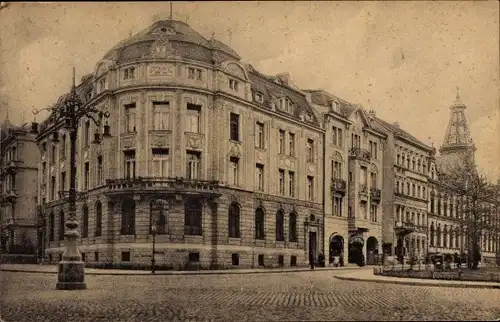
x,y
356,240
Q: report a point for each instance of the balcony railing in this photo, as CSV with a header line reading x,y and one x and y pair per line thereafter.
x,y
405,227
339,186
375,194
174,185
358,153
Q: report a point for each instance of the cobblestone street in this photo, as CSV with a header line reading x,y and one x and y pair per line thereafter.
x,y
253,297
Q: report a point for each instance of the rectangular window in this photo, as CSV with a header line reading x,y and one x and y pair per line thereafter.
x,y
161,163
282,181
310,150
337,206
340,138
193,163
334,135
191,73
282,141
100,172
233,84
260,176
87,133
234,170
234,127
44,173
62,147
373,177
291,183
130,117
63,181
52,188
86,178
161,116
193,118
259,135
291,144
310,188
53,153
125,256
129,73
129,164
373,213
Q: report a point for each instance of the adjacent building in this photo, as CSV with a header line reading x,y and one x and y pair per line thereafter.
x,y
405,191
224,161
19,216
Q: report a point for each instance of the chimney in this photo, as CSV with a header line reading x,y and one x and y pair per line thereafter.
x,y
285,77
372,113
396,124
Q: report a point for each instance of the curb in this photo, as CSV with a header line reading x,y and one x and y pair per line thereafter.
x,y
166,273
455,285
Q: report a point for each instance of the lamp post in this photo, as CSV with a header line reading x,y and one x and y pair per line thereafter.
x,y
71,269
153,261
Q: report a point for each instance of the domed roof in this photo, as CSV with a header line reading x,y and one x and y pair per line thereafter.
x,y
185,41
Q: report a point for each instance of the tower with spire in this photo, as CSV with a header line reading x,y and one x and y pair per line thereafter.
x,y
457,142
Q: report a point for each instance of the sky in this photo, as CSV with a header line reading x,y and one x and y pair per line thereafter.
x,y
402,59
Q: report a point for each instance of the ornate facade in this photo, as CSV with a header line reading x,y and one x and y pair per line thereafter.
x,y
234,155
405,197
353,179
18,205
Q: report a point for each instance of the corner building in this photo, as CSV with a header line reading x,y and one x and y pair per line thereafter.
x,y
235,157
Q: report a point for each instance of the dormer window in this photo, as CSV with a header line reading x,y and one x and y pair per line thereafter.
x,y
259,97
336,106
89,95
309,117
129,73
102,84
195,73
233,84
286,105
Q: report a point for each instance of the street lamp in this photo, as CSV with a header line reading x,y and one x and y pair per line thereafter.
x,y
71,269
153,262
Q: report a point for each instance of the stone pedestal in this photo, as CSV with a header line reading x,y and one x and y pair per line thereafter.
x,y
71,275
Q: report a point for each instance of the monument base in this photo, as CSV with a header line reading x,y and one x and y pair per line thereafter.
x,y
71,275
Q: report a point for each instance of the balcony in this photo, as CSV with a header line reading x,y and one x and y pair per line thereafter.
x,y
339,186
405,227
11,166
358,153
375,194
356,224
174,186
10,196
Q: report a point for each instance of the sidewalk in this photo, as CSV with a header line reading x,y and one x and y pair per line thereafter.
x,y
364,275
52,269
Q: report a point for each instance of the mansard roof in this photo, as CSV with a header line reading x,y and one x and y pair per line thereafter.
x,y
399,132
273,88
322,98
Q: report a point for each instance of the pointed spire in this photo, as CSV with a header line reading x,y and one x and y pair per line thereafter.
x,y
458,93
171,14
74,81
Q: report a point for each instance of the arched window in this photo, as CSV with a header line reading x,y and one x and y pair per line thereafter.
x,y
438,235
419,169
52,226
98,219
280,226
445,236
445,208
432,235
408,188
439,205
128,217
61,225
413,164
403,163
234,221
85,221
457,237
292,227
158,212
259,223
193,215
397,186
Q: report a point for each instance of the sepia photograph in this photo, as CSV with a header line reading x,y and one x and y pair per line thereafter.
x,y
250,161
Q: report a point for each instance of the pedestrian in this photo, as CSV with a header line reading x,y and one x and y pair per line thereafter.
x,y
311,260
